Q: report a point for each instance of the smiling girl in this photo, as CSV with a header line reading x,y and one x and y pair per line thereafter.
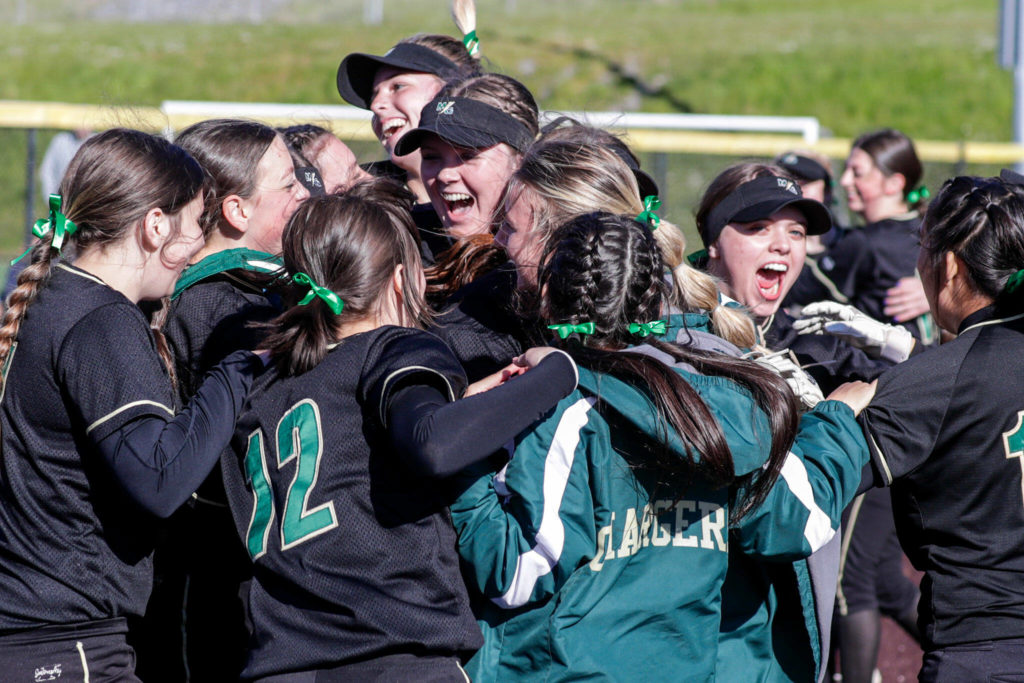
x,y
93,451
395,87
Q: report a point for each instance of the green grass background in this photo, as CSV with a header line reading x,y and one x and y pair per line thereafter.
x,y
926,68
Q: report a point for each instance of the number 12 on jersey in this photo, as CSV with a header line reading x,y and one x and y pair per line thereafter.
x,y
299,438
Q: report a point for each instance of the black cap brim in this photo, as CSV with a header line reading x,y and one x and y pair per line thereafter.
x,y
358,70
456,135
465,123
819,220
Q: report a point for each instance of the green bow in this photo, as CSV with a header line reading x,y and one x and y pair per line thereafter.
x,y
914,196
647,216
56,222
330,298
1015,282
697,257
472,43
565,329
645,329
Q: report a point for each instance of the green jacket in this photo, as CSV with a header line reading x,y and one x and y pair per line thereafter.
x,y
586,569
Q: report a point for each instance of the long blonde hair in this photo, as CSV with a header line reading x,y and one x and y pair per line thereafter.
x,y
573,172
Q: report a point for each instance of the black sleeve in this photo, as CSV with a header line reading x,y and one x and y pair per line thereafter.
x,y
161,461
436,438
905,417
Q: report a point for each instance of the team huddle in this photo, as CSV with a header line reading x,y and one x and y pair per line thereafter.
x,y
476,412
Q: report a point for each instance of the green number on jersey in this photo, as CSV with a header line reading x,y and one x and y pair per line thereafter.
x,y
1013,444
300,439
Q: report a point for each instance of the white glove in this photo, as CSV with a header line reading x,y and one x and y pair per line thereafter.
x,y
784,364
878,340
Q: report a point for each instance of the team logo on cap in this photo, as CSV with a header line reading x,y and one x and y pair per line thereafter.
x,y
789,159
446,108
787,185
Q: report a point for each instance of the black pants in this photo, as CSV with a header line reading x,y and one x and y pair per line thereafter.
x,y
93,651
993,661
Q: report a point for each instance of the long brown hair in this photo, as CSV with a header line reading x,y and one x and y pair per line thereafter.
x,y
607,270
113,181
229,150
351,244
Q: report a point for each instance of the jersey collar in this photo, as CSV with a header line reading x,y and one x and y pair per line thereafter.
x,y
985,316
222,261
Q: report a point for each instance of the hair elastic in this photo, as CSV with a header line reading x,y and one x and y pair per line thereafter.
x,y
920,194
565,329
57,222
644,329
332,300
472,43
648,215
1015,282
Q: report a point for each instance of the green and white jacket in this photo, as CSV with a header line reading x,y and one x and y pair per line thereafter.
x,y
585,567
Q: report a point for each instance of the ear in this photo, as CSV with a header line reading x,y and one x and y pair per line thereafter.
x,y
236,212
398,285
952,266
895,184
155,230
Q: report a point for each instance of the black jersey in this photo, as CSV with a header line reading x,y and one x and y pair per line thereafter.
x,y
946,430
73,547
214,305
354,557
866,263
479,323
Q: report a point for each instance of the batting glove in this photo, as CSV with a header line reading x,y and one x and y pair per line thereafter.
x,y
890,342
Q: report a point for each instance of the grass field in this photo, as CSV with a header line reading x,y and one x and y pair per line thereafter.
x,y
928,69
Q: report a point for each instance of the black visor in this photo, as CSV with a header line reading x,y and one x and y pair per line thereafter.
x,y
759,199
465,123
357,71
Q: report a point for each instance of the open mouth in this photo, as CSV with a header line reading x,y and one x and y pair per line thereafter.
x,y
769,280
457,203
390,127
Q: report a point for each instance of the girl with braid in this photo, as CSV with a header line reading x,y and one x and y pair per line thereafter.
x,y
92,450
945,430
333,480
600,549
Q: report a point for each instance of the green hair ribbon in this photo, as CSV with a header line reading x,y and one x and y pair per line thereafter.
x,y
647,216
472,43
56,222
645,329
697,257
1015,282
920,194
332,300
565,329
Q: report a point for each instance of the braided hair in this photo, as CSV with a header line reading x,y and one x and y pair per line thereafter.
x,y
981,220
112,182
607,269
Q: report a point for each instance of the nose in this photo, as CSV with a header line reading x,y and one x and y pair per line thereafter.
x,y
301,193
846,179
448,173
780,240
380,101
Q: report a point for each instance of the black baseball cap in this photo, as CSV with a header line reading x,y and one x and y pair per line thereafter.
x,y
804,168
357,71
465,123
760,198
